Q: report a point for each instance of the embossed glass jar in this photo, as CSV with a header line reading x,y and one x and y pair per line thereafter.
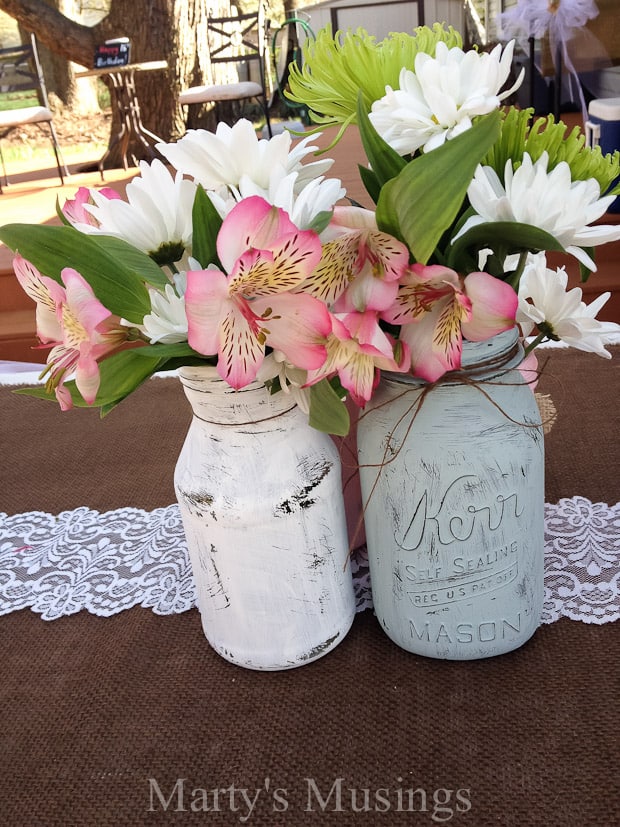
x,y
260,496
453,481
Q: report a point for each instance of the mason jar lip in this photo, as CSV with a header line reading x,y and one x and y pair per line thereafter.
x,y
198,371
503,352
189,374
208,392
496,346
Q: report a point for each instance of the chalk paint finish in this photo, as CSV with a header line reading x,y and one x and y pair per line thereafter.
x,y
455,523
260,496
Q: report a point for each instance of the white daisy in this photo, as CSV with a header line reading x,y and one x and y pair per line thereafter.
x,y
318,196
302,207
155,218
291,378
222,158
438,100
234,163
558,313
167,322
549,200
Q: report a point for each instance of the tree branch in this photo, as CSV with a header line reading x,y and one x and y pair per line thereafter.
x,y
61,35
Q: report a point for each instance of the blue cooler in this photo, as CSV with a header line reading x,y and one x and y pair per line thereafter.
x,y
603,129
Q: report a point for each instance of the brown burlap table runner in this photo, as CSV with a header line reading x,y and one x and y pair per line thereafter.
x,y
133,720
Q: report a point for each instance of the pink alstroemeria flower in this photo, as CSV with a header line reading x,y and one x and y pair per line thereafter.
x,y
361,265
356,351
436,308
74,211
79,329
237,313
529,370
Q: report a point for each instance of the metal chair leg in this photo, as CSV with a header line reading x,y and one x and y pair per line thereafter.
x,y
267,119
60,162
6,180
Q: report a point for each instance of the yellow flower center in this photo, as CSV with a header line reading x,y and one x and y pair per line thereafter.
x,y
74,331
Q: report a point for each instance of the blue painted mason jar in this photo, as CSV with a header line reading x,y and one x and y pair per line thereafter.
x,y
452,479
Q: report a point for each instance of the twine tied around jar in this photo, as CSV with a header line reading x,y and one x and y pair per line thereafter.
x,y
472,377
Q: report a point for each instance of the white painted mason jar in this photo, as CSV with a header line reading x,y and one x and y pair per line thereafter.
x,y
260,496
455,515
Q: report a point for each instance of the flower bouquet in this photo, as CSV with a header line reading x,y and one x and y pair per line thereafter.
x,y
247,259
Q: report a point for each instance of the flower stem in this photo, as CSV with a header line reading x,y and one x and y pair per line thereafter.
x,y
515,278
540,338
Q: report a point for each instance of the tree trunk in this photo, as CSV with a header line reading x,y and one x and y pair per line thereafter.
x,y
172,30
64,90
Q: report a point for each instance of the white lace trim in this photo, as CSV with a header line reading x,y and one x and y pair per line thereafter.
x,y
582,561
108,562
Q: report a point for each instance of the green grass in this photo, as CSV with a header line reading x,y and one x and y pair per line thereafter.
x,y
103,95
17,100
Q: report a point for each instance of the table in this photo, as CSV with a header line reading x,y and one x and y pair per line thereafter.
x,y
131,719
125,102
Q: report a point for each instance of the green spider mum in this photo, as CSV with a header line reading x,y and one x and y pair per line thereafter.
x,y
337,68
521,134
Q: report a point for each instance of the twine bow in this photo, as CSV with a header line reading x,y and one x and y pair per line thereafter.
x,y
561,21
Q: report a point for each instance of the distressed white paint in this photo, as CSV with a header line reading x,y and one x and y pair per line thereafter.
x,y
260,495
455,523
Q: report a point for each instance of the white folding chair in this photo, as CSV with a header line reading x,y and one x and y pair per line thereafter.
x,y
235,40
20,74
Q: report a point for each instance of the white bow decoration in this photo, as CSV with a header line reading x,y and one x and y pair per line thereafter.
x,y
563,21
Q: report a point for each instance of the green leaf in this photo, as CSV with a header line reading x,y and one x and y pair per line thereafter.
x,y
41,393
385,162
61,214
136,260
176,350
114,269
369,180
120,374
425,198
206,223
139,261
585,272
328,413
507,236
188,362
320,221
